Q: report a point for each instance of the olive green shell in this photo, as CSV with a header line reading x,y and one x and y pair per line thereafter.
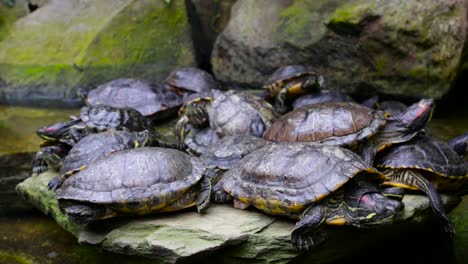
x,y
191,79
95,146
137,181
234,113
149,99
285,178
447,169
332,123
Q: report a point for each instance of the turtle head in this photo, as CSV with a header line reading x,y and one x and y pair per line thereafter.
x,y
142,139
374,208
58,131
196,110
417,116
368,206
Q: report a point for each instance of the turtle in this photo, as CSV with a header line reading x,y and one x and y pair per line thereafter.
x,y
152,100
95,146
321,97
190,80
135,182
227,152
351,125
227,112
198,140
427,164
460,144
94,119
289,82
317,184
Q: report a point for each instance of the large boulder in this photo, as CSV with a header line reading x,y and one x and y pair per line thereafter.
x,y
225,234
407,48
70,44
12,10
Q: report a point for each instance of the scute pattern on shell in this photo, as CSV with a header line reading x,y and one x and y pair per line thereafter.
x,y
140,176
228,151
192,79
95,146
104,117
425,153
141,95
233,112
291,175
333,123
286,72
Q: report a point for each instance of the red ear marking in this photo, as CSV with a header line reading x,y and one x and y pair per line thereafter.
x,y
422,111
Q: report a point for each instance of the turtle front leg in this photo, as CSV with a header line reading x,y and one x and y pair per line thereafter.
x,y
48,157
308,232
280,101
57,181
180,131
203,200
257,127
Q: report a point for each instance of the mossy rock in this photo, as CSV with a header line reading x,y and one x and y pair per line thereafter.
x,y
68,44
223,233
401,48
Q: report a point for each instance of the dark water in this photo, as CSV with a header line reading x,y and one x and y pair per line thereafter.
x,y
27,236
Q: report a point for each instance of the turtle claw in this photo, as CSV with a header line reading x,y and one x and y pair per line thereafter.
x,y
303,242
55,183
449,230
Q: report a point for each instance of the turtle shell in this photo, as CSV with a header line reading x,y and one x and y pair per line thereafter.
x,y
287,72
228,151
137,181
446,169
191,79
322,97
334,123
198,140
149,99
285,178
95,146
105,117
234,113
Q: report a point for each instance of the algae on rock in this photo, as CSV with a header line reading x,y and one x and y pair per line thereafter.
x,y
405,48
70,44
222,234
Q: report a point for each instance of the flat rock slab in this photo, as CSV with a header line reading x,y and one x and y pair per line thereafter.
x,y
223,233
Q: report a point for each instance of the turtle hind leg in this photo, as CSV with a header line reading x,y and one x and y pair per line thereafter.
x,y
84,213
307,234
203,200
219,196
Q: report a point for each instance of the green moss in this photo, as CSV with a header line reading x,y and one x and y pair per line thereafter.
x,y
351,13
295,23
36,191
15,258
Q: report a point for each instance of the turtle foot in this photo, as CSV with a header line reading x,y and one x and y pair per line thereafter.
x,y
55,183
